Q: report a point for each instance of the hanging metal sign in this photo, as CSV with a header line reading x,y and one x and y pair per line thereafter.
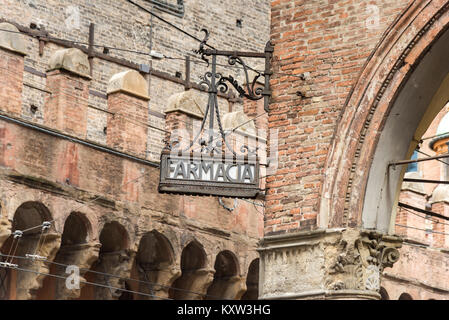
x,y
209,171
209,176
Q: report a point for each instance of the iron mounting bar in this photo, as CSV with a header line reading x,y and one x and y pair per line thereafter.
x,y
402,162
209,52
430,213
425,181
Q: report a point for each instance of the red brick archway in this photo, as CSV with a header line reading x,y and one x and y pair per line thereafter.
x,y
367,109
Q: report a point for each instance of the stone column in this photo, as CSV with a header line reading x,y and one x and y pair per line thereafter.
x,y
325,264
83,256
28,283
12,52
158,281
5,228
115,263
127,127
68,81
200,280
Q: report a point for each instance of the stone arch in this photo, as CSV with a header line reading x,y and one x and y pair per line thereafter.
x,y
29,218
76,230
113,265
155,263
30,214
227,283
405,296
113,237
195,277
252,281
409,55
76,250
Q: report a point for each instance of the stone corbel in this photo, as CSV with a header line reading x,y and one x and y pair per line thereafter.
x,y
201,279
119,264
83,256
29,281
158,281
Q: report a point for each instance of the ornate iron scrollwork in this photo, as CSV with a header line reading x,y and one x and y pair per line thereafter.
x,y
216,82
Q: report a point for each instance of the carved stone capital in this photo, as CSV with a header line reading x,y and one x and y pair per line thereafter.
x,y
360,260
119,264
326,264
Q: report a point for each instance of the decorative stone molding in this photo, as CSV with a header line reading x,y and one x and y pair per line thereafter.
x,y
413,186
364,256
130,82
117,263
239,119
383,76
72,60
326,264
12,41
185,102
440,194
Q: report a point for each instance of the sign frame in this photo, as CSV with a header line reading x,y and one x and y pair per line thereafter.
x,y
206,187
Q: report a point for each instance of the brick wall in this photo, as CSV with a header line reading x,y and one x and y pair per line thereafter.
x,y
125,26
327,42
89,175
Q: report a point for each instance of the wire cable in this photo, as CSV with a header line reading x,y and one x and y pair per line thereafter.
x,y
197,61
426,230
118,277
427,218
87,282
169,23
428,155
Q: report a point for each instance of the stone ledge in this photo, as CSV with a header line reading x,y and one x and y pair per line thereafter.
x,y
130,82
285,240
326,295
185,102
72,60
440,194
12,41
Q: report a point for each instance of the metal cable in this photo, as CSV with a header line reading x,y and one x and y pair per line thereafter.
x,y
169,23
119,277
87,282
430,231
435,221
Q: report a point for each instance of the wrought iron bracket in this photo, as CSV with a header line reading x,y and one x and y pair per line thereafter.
x,y
216,82
236,57
203,167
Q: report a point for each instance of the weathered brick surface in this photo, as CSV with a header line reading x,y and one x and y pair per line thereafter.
x,y
414,224
65,176
412,274
124,26
11,80
128,123
66,107
329,123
